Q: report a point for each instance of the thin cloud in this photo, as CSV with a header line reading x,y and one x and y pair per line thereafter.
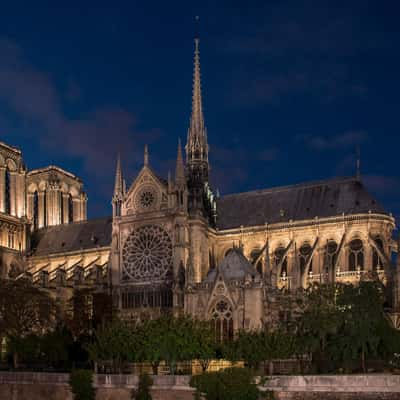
x,y
339,141
95,138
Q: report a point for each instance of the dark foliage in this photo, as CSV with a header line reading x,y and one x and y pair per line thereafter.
x,y
228,384
81,382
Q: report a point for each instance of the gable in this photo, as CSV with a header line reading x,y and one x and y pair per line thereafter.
x,y
147,193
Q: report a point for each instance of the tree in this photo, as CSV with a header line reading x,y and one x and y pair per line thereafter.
x,y
81,382
247,347
318,321
203,342
143,390
80,312
364,327
55,346
150,339
24,310
260,346
227,384
174,339
115,342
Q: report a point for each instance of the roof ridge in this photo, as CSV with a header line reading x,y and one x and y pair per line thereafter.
x,y
75,223
10,147
295,185
54,167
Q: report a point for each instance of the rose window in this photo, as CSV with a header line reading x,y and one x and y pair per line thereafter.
x,y
147,254
146,199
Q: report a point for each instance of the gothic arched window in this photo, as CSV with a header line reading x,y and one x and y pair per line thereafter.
x,y
70,209
61,203
45,208
304,255
254,255
279,254
356,255
227,251
35,210
331,255
8,191
222,317
376,260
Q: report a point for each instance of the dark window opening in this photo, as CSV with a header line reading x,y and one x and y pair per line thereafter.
x,y
8,192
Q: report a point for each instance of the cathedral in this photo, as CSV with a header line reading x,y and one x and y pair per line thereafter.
x,y
173,244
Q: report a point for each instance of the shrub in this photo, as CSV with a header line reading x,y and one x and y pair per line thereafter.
x,y
81,382
228,384
143,390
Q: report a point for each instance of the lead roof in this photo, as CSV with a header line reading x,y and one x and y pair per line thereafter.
x,y
323,199
296,202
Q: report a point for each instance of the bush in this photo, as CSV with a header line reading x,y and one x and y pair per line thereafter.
x,y
228,384
81,384
143,390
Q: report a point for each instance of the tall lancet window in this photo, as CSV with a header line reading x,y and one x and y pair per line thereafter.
x,y
304,255
45,208
61,203
8,191
255,255
356,255
222,316
377,264
35,210
279,254
70,209
330,255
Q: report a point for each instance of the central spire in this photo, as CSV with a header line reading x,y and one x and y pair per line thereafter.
x,y
197,118
197,146
197,167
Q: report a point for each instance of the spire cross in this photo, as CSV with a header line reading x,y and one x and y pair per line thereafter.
x,y
146,155
358,163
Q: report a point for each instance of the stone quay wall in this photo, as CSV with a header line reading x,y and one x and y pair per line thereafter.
x,y
54,386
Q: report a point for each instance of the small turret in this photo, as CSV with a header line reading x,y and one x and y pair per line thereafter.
x,y
180,180
180,168
119,190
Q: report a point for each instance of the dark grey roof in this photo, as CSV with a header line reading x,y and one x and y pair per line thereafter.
x,y
297,202
69,237
234,266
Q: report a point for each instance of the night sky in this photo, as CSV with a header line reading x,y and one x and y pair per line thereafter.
x,y
289,89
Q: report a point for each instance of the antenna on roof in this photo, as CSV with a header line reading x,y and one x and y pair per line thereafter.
x,y
358,163
197,24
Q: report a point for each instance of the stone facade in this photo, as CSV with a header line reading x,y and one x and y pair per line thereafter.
x,y
173,244
30,200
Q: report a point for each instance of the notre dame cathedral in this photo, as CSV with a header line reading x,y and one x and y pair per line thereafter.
x,y
172,244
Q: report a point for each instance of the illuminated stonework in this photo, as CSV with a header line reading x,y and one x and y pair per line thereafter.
x,y
147,255
172,243
146,198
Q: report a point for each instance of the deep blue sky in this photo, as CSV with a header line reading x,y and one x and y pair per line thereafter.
x,y
289,89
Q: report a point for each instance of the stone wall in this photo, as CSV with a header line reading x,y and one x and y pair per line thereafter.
x,y
335,387
45,386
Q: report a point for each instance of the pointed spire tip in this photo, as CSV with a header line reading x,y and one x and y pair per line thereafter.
x,y
146,155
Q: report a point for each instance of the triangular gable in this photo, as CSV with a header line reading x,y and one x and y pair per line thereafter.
x,y
146,179
220,290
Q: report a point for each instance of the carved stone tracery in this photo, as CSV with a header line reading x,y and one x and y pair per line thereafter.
x,y
147,255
